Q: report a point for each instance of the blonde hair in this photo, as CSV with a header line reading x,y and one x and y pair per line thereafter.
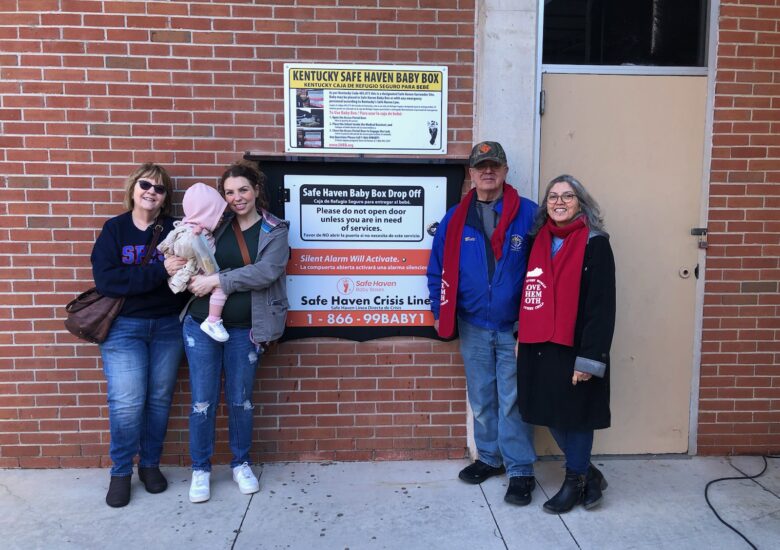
x,y
152,171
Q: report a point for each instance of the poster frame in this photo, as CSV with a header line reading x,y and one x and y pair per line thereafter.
x,y
277,167
319,118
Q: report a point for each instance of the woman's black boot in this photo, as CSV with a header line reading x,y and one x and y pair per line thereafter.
x,y
595,482
569,495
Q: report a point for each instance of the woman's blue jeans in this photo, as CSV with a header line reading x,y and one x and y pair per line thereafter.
x,y
576,447
500,434
208,359
140,361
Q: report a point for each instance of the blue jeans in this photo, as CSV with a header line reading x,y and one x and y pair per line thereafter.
x,y
238,358
140,360
576,446
491,379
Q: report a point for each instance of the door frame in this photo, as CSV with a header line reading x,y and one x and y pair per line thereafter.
x,y
709,71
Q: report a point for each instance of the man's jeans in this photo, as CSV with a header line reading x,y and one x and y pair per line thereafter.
x,y
576,446
140,360
238,357
491,379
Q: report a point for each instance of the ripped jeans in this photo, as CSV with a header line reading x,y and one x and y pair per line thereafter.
x,y
207,358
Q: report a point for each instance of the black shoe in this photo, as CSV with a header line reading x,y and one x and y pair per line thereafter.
x,y
118,491
153,479
479,472
569,495
594,484
519,491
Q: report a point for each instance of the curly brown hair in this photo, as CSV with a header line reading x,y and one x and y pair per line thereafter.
x,y
250,171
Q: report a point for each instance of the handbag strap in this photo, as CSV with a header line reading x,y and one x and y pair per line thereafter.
x,y
158,227
241,242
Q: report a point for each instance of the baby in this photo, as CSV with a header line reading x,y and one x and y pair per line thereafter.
x,y
203,208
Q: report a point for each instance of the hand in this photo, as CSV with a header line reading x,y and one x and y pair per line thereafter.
x,y
200,285
173,264
579,377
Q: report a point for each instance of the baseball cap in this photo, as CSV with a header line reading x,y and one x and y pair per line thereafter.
x,y
487,150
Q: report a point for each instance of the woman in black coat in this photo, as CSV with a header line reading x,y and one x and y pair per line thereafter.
x,y
567,318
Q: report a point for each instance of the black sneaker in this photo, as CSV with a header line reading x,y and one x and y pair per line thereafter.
x,y
118,491
519,491
153,479
478,472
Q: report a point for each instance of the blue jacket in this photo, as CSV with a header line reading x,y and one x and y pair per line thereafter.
x,y
490,302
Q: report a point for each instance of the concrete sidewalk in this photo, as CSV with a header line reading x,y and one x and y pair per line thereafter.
x,y
650,503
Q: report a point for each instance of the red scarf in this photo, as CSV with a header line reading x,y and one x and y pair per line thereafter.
x,y
551,292
452,242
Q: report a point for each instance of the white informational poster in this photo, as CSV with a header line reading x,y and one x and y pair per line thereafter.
x,y
388,109
359,249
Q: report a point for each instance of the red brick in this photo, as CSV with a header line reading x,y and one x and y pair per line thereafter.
x,y
182,95
170,36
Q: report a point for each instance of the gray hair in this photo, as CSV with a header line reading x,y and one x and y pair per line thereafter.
x,y
588,205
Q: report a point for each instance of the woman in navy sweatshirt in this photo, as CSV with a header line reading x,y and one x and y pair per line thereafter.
x,y
144,347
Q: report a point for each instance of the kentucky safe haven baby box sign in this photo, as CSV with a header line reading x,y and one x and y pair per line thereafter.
x,y
391,109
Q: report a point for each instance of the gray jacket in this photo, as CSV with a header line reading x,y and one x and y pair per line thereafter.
x,y
266,278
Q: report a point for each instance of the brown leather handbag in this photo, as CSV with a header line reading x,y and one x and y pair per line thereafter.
x,y
90,314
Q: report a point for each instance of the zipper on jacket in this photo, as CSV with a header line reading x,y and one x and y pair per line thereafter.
x,y
490,300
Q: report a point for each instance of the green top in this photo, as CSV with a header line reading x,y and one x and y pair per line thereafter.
x,y
238,308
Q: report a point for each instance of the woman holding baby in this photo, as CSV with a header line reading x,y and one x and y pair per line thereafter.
x,y
234,314
251,251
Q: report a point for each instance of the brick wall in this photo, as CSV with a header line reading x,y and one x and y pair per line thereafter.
x,y
88,90
740,377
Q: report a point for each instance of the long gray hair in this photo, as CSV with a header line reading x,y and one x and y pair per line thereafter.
x,y
588,205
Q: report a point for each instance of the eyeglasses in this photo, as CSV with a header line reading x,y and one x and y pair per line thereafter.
x,y
552,198
146,185
482,166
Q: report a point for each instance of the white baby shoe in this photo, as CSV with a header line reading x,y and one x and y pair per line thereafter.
x,y
215,330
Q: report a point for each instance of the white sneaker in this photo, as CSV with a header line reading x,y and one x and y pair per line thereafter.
x,y
215,330
247,482
199,489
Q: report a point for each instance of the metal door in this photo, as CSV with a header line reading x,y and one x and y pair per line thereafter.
x,y
636,143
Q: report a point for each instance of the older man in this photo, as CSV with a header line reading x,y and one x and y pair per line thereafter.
x,y
475,276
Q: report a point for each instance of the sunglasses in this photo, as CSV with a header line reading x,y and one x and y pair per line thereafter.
x,y
146,185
